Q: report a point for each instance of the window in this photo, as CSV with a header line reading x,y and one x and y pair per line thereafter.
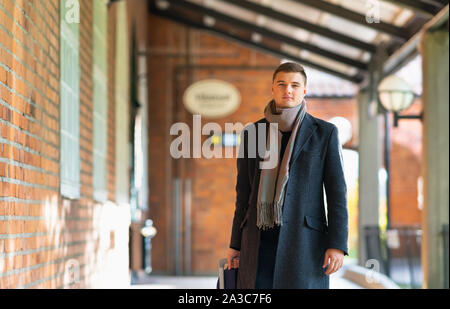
x,y
70,105
100,90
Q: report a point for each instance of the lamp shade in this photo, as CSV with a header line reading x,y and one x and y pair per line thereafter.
x,y
344,129
395,93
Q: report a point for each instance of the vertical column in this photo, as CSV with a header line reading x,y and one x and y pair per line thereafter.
x,y
369,165
122,109
435,169
142,96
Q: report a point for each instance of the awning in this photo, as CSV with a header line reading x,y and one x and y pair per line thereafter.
x,y
338,37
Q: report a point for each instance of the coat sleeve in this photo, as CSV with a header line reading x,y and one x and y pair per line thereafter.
x,y
243,188
336,193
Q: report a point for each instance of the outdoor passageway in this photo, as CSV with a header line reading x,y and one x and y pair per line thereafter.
x,y
121,122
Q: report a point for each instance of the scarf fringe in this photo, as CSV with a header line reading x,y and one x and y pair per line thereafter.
x,y
265,216
269,215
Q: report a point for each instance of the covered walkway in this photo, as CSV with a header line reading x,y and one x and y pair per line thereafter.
x,y
92,91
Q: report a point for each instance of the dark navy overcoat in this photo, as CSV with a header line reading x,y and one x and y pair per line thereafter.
x,y
308,227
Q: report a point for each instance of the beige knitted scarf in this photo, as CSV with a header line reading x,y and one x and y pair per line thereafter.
x,y
273,181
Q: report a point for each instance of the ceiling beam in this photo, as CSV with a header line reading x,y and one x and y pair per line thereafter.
x,y
296,22
358,78
437,2
408,50
423,8
269,34
443,2
397,33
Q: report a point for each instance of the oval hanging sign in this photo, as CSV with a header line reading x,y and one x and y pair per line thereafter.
x,y
212,98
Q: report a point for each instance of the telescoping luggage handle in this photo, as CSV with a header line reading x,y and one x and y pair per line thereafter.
x,y
227,277
221,281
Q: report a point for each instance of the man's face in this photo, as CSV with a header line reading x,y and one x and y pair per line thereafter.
x,y
288,89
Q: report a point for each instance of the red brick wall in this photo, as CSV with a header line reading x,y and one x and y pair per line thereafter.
x,y
29,86
86,103
160,87
406,168
213,180
328,108
41,232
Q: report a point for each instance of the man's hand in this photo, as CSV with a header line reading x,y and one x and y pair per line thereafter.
x,y
336,258
232,259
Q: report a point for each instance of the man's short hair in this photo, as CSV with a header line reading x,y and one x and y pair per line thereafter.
x,y
290,67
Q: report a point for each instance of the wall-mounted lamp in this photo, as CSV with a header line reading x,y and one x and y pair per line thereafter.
x,y
396,95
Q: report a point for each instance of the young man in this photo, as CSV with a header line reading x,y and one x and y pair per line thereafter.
x,y
281,237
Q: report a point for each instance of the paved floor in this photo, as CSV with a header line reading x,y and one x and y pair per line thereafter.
x,y
198,282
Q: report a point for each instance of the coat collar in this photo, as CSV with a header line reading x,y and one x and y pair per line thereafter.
x,y
307,128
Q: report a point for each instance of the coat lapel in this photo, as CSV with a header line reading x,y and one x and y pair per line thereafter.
x,y
306,129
